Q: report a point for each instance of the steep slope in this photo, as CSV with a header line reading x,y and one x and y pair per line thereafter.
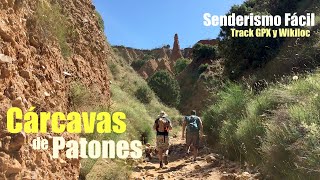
x,y
140,118
45,46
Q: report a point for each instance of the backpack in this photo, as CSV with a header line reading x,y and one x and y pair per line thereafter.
x,y
162,124
193,123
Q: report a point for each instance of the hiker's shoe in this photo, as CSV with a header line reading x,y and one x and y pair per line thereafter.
x,y
194,160
165,160
161,164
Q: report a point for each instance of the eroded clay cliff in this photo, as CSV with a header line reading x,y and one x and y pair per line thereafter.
x,y
37,69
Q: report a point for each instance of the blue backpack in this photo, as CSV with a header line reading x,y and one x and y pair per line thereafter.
x,y
193,123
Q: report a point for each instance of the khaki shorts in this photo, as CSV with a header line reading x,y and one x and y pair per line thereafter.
x,y
193,139
162,143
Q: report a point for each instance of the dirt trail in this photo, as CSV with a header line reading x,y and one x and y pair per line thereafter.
x,y
208,166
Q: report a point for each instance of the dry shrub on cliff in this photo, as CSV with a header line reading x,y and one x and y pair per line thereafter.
x,y
52,25
100,20
79,94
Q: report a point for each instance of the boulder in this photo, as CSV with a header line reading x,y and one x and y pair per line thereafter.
x,y
197,167
17,141
210,159
6,59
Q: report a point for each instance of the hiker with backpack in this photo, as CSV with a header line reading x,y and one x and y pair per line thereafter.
x,y
162,125
194,130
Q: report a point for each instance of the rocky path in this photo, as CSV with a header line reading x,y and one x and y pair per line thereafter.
x,y
208,166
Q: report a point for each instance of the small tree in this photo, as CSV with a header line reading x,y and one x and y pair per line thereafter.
x,y
204,51
136,65
144,94
181,64
202,68
165,87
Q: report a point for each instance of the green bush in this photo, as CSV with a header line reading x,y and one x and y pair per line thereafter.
x,y
250,134
144,94
109,170
267,101
136,65
212,123
181,64
229,142
114,68
148,56
203,51
220,120
100,20
290,151
242,54
277,157
276,130
202,68
53,24
165,87
79,94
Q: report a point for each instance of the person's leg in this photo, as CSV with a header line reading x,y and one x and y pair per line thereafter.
x,y
188,143
160,152
165,157
195,153
160,149
166,150
195,144
196,140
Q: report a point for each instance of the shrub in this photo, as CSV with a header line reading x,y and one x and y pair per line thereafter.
x,y
100,20
136,65
250,134
221,119
276,130
79,94
289,151
267,101
212,123
109,170
274,149
165,87
301,88
166,46
181,64
86,167
148,56
204,51
144,94
228,139
114,68
242,54
53,25
202,68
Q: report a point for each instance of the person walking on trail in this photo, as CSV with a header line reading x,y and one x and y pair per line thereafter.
x,y
162,125
194,127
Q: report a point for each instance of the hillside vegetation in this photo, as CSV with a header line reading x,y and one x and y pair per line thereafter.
x,y
276,130
251,112
126,91
262,118
273,56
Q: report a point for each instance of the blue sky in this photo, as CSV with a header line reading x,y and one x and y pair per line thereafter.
x,y
149,24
